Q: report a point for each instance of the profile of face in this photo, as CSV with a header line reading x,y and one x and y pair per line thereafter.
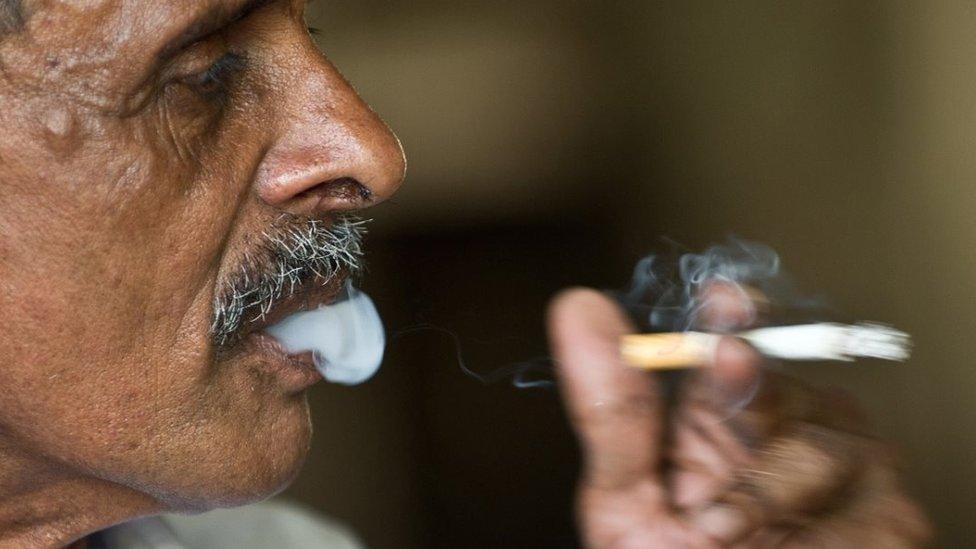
x,y
170,174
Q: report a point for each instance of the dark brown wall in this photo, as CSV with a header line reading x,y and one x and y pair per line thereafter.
x,y
552,143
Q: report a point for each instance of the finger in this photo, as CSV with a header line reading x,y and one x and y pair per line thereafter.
x,y
728,306
877,513
705,450
776,402
737,383
793,445
799,467
701,468
733,379
615,410
799,473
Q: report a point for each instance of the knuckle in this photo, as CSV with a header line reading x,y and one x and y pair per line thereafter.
x,y
611,413
804,469
910,521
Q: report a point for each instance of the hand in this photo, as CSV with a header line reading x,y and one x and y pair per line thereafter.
x,y
744,458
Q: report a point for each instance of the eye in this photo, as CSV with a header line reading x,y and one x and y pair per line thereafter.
x,y
214,83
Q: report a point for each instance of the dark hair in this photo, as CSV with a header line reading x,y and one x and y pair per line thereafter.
x,y
11,16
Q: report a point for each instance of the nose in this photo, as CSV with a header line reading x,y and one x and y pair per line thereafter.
x,y
331,152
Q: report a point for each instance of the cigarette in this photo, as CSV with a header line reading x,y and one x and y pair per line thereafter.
x,y
822,341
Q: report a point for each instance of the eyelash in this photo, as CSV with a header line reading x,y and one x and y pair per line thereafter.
x,y
215,81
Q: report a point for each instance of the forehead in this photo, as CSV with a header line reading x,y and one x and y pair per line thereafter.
x,y
117,22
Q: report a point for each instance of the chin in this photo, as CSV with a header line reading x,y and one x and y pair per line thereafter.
x,y
254,464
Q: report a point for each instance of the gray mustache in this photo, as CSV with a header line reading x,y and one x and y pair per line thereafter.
x,y
294,252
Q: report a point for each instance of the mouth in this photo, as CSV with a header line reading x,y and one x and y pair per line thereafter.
x,y
294,260
293,372
306,297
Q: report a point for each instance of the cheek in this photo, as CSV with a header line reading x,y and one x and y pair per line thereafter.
x,y
105,326
174,427
87,388
107,271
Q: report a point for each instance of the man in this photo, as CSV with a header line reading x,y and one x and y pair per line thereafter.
x,y
176,175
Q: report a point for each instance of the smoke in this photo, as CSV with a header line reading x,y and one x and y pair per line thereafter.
x,y
346,338
535,373
666,292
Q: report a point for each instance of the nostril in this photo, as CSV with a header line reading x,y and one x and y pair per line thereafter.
x,y
337,194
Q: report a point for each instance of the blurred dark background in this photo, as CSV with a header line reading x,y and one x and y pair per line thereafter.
x,y
553,143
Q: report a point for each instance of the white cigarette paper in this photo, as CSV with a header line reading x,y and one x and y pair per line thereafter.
x,y
823,341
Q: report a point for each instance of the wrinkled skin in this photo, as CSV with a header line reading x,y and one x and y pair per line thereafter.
x,y
130,184
751,459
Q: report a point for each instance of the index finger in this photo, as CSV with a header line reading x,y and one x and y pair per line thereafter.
x,y
615,410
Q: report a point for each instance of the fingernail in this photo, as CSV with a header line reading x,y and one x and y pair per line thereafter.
x,y
722,522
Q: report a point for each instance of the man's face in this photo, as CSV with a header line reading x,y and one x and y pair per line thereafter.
x,y
157,160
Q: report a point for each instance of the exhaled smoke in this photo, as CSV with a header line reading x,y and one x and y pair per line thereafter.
x,y
346,338
294,252
527,374
665,293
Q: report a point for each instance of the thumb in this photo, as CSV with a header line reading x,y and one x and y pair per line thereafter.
x,y
616,411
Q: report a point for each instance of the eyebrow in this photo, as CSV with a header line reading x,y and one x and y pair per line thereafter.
x,y
214,18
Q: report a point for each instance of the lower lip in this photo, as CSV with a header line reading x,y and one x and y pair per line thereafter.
x,y
295,373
